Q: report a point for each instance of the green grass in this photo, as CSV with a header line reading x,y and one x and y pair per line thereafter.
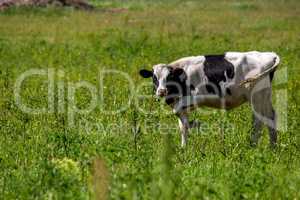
x,y
42,157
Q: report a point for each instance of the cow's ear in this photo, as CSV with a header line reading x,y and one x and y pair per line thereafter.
x,y
178,72
146,73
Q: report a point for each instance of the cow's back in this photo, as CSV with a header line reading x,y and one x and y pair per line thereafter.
x,y
226,72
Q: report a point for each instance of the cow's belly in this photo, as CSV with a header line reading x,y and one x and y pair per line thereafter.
x,y
223,103
227,102
213,101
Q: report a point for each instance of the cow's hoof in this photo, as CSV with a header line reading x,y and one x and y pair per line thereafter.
x,y
194,124
273,145
253,144
183,145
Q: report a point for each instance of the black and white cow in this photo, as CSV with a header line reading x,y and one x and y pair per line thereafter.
x,y
219,81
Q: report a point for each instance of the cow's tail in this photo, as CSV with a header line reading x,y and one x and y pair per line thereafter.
x,y
269,70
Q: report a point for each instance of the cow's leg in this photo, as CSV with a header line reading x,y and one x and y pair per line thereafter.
x,y
256,131
272,125
257,103
263,114
194,124
184,128
270,116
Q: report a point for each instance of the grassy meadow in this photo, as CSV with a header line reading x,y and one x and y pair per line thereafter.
x,y
62,153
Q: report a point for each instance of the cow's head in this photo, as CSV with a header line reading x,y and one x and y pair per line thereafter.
x,y
167,81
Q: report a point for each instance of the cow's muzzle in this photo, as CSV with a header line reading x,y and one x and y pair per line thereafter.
x,y
162,92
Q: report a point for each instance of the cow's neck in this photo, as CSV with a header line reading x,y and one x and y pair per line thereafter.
x,y
186,91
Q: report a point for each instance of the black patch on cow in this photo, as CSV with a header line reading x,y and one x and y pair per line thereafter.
x,y
176,85
155,82
215,67
211,89
271,75
192,87
228,91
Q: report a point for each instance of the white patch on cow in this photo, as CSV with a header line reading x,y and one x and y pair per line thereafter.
x,y
187,61
161,72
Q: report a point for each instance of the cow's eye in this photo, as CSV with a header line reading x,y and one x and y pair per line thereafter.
x,y
155,81
171,78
